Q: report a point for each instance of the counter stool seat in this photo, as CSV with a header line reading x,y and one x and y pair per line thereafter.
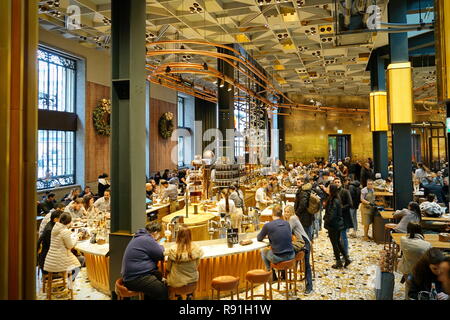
x,y
388,228
123,292
300,266
225,283
258,276
59,283
183,291
290,275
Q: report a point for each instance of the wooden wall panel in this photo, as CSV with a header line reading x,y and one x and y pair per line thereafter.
x,y
97,147
160,149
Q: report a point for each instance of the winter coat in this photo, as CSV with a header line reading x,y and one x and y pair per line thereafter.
x,y
333,219
301,205
355,193
431,209
44,243
184,271
347,204
60,257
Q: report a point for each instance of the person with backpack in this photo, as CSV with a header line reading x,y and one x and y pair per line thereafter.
x,y
355,193
302,203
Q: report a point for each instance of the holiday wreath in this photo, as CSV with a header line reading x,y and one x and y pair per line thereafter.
x,y
166,125
102,117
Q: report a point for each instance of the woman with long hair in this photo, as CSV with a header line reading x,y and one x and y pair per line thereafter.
x,y
411,214
334,223
228,207
183,260
425,273
92,212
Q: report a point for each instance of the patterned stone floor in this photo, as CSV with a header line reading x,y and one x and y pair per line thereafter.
x,y
352,283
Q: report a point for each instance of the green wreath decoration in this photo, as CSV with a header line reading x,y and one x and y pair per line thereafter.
x,y
166,125
102,117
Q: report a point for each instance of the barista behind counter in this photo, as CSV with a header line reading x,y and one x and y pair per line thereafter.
x,y
170,191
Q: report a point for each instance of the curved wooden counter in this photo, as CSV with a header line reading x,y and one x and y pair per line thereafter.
x,y
198,223
97,264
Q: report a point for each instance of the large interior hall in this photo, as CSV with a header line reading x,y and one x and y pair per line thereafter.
x,y
224,150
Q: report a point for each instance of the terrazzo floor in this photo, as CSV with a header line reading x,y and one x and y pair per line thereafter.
x,y
352,283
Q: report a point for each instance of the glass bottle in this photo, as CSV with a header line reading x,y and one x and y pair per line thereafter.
x,y
433,292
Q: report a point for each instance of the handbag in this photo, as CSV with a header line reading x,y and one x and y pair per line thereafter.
x,y
298,244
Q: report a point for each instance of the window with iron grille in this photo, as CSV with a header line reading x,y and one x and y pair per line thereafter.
x,y
56,100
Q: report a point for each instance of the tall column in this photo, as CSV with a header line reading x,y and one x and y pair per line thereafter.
x,y
400,106
226,106
128,127
378,115
18,137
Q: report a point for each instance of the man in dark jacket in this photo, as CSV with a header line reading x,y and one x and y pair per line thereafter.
x,y
355,193
346,204
366,174
301,205
48,204
140,263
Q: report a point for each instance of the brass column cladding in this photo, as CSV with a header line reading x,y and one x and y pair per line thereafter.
x,y
5,74
378,111
400,93
442,36
30,120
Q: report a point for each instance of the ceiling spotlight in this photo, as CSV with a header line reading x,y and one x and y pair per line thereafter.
x,y
205,66
168,69
192,9
260,2
196,4
182,47
230,87
222,83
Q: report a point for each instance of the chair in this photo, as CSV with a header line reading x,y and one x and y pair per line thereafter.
x,y
258,276
300,266
225,283
312,259
289,267
388,227
183,291
123,292
58,284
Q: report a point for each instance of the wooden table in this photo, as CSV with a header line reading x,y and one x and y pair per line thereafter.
x,y
433,239
390,215
164,209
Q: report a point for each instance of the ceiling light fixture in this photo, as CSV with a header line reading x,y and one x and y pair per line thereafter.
x,y
222,83
205,66
168,69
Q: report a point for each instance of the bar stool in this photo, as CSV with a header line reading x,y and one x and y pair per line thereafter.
x,y
59,283
225,283
183,291
388,227
123,292
300,266
258,276
311,261
289,267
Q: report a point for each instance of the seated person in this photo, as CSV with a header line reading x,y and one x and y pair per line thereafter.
x,y
411,214
431,208
74,194
60,257
92,212
76,209
183,260
86,192
379,184
444,277
432,187
149,190
413,247
103,204
389,186
426,272
280,237
59,207
48,204
140,263
44,240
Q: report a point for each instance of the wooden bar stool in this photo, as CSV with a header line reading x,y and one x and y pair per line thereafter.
x,y
289,267
311,261
183,291
59,283
123,292
258,276
225,283
300,266
388,227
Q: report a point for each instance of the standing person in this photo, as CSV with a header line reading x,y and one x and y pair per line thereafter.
x,y
346,204
238,198
183,260
355,193
279,233
262,200
170,191
228,207
301,206
60,257
367,207
140,263
366,174
103,184
334,223
356,170
299,232
421,172
426,272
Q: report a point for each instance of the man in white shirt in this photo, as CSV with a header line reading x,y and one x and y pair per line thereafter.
x,y
103,204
